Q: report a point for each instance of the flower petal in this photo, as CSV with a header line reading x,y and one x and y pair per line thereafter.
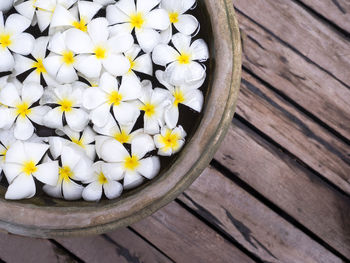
x,y
187,24
7,61
66,74
115,15
61,17
16,24
93,98
149,167
113,171
70,156
9,95
157,19
120,42
92,192
132,180
78,41
53,191
32,92
113,151
144,64
7,117
22,64
35,151
23,44
126,113
53,119
77,119
148,39
57,43
89,66
71,190
56,146
171,116
44,19
126,6
130,87
52,64
24,129
11,170
116,64
23,187
113,189
179,6
194,100
26,9
98,30
199,50
39,51
88,10
181,42
99,116
164,54
141,145
146,6
47,173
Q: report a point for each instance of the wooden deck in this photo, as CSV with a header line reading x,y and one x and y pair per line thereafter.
x,y
278,189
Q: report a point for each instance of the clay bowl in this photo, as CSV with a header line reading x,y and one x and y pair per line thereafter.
x,y
45,217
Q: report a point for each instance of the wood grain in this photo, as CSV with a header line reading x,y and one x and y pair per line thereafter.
x,y
19,249
184,238
296,77
337,11
284,182
298,134
304,32
252,224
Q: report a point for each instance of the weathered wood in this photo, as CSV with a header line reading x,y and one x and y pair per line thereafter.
x,y
252,224
304,32
18,249
293,75
288,185
337,11
184,238
300,135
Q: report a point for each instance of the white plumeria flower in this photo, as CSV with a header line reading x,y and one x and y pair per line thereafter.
x,y
138,63
132,167
143,18
6,5
183,61
75,166
12,38
100,100
22,164
154,102
61,62
46,8
121,133
19,109
68,104
83,139
170,141
98,48
101,183
188,95
24,64
78,16
184,23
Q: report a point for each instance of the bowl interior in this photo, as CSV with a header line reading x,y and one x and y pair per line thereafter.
x,y
188,119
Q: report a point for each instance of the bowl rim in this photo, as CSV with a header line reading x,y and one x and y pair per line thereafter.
x,y
48,222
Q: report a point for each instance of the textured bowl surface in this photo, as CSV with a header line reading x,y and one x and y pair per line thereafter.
x,y
40,217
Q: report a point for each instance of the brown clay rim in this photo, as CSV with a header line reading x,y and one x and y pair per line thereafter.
x,y
47,222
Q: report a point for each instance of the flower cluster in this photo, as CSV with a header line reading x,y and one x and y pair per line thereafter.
x,y
86,72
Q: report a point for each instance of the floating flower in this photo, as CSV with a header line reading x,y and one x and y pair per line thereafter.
x,y
142,17
61,62
75,167
22,164
132,167
142,63
19,109
98,49
12,38
101,183
184,23
24,64
109,95
170,141
78,16
83,139
183,61
188,95
154,102
68,104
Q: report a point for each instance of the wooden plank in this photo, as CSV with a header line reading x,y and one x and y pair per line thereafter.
x,y
184,238
337,11
300,135
20,249
252,224
293,75
284,182
304,32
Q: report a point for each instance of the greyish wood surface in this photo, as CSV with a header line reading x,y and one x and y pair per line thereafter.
x,y
278,188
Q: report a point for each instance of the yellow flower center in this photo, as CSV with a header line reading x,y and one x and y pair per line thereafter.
x,y
29,168
3,154
132,64
100,52
5,40
137,20
66,105
102,178
170,140
39,66
78,142
184,58
65,173
149,109
23,110
174,17
122,137
131,163
114,98
179,97
68,58
81,25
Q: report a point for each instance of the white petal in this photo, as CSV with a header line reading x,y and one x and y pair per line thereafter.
x,y
52,64
148,39
126,113
89,66
113,189
179,6
99,116
71,190
151,125
181,42
132,180
187,24
39,51
56,146
92,192
176,74
108,83
149,167
24,129
120,42
61,17
53,191
44,19
90,151
23,187
17,24
88,10
32,92
35,151
9,95
194,100
133,51
26,9
78,41
144,64
11,170
53,119
22,64
88,136
23,44
146,6
199,50
70,156
57,43
116,64
171,116
98,30
77,119
99,141
113,171
47,173
195,73
157,19
164,54
166,35
66,74
127,6
7,117
7,61
141,145
113,151
160,75
115,16
93,98
130,87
